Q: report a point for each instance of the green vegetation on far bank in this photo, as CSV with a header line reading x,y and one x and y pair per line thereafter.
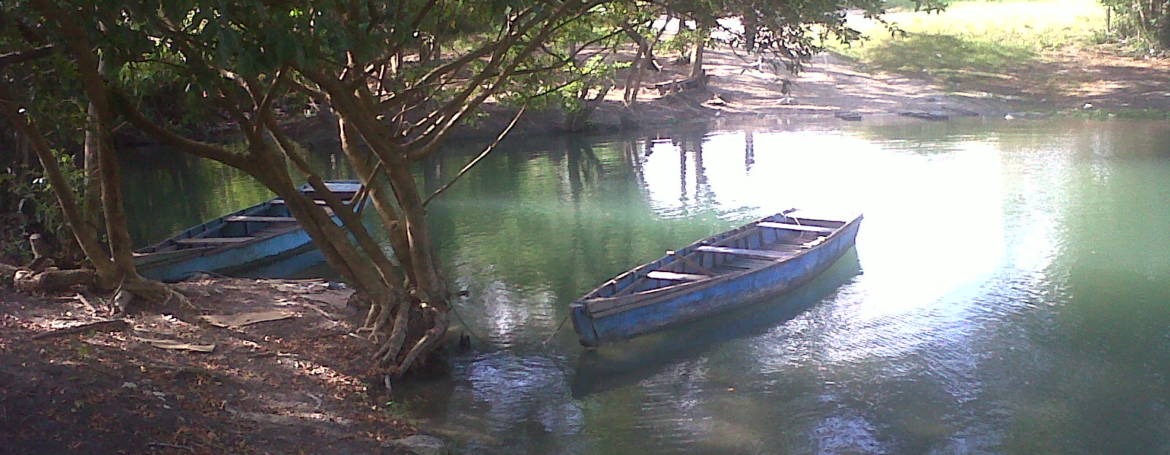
x,y
1040,55
977,39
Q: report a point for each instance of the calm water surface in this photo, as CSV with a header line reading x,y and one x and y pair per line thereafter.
x,y
1009,293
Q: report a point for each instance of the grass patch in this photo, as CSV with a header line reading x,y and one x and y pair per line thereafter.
x,y
946,56
984,40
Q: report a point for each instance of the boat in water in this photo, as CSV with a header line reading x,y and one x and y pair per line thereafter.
x,y
244,239
766,257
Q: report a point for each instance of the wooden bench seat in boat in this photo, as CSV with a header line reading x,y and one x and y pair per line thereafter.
x,y
280,201
769,254
674,276
213,240
795,227
261,219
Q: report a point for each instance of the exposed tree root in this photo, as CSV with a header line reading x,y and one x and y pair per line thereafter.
x,y
149,290
424,345
382,320
52,280
393,345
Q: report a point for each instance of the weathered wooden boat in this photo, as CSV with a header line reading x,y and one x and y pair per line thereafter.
x,y
733,268
237,241
600,370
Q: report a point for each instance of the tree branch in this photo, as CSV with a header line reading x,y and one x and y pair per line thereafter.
x,y
13,58
477,159
197,148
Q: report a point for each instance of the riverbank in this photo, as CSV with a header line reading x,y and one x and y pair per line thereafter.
x,y
255,366
746,89
1079,81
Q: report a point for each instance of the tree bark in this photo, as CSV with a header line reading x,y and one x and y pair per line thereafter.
x,y
751,28
365,165
634,79
92,69
91,192
418,237
697,56
86,235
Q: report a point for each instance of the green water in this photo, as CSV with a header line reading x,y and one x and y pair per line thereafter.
x,y
1009,293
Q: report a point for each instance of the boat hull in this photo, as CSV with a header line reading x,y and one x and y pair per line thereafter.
x,y
256,246
229,260
712,296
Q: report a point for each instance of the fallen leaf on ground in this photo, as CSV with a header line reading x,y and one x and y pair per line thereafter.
x,y
243,319
178,345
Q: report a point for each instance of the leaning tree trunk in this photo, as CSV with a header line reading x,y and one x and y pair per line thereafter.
x,y
366,165
85,233
637,68
430,290
91,69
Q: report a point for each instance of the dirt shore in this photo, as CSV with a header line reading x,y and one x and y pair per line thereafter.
x,y
743,89
189,380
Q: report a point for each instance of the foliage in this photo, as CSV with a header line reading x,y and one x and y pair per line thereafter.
x,y
398,76
1147,21
946,55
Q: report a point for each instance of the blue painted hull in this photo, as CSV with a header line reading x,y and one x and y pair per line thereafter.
x,y
265,242
229,260
600,370
600,318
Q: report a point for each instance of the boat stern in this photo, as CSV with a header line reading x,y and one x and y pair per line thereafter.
x,y
583,324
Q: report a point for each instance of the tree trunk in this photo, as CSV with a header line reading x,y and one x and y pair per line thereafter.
x,y
92,69
576,121
92,193
751,28
86,236
364,165
697,56
421,250
121,246
634,79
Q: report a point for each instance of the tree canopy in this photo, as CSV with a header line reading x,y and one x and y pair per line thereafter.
x,y
398,77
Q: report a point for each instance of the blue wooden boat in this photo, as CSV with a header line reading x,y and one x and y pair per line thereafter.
x,y
237,241
769,256
600,370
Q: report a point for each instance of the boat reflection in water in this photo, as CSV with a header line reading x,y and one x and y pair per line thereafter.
x,y
626,363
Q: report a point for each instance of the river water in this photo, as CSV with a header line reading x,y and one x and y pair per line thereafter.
x,y
1009,292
